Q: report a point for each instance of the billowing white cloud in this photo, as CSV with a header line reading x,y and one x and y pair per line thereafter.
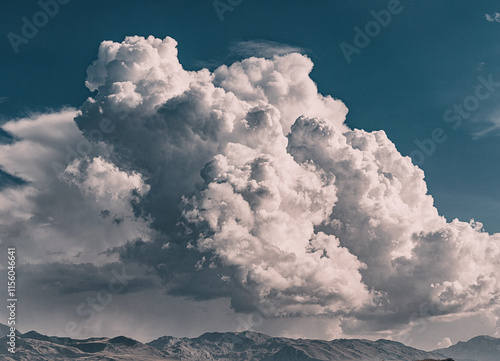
x,y
258,213
384,217
245,183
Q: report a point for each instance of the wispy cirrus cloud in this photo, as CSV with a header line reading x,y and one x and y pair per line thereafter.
x,y
493,18
244,49
263,48
494,126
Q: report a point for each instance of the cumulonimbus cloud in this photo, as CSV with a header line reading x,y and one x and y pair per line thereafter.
x,y
245,183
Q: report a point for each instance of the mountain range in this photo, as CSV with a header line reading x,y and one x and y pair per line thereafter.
x,y
480,348
237,346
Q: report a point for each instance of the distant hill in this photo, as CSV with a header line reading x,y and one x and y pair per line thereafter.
x,y
480,348
33,346
242,346
5,330
256,346
236,346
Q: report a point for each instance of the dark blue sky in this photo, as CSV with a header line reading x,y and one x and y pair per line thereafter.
x,y
428,58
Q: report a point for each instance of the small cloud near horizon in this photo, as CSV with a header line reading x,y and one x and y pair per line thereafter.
x,y
444,343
